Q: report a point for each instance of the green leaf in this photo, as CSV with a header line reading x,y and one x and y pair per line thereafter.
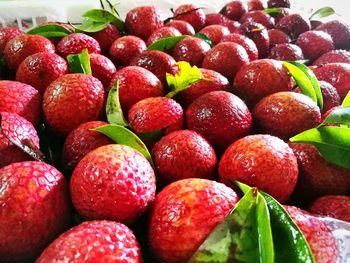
x,y
165,43
80,63
49,31
346,101
338,116
153,136
333,143
113,108
205,38
273,11
321,13
90,26
122,135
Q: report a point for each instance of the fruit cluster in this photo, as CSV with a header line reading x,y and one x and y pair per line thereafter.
x,y
121,141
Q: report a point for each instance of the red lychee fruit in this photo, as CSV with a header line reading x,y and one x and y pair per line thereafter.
x,y
333,56
215,32
286,52
260,17
162,32
234,10
102,68
106,37
220,19
183,27
257,5
245,42
76,42
278,3
277,37
192,14
293,25
282,13
339,31
6,34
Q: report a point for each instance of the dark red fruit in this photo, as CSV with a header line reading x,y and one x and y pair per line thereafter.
x,y
162,32
245,42
75,43
333,56
339,31
293,25
102,68
234,10
286,52
278,3
191,14
277,37
182,26
220,19
260,17
215,32
106,37
257,5
6,34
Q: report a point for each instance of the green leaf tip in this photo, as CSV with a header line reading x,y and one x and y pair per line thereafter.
x,y
80,63
321,13
114,110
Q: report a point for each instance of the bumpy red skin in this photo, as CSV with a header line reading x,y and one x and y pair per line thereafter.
x,y
334,56
72,100
94,241
317,176
336,206
184,154
245,42
285,114
195,18
314,44
234,10
220,19
339,31
22,46
35,209
259,17
220,117
106,37
263,161
293,25
337,74
81,141
76,42
215,32
261,78
321,240
113,182
21,99
135,84
192,50
41,69
142,21
125,49
277,37
162,32
102,68
256,5
183,215
183,27
278,3
226,58
6,34
152,114
286,52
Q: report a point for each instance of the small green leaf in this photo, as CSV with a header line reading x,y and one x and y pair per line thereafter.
x,y
205,38
273,11
49,31
346,101
80,63
321,13
165,43
90,26
113,108
338,116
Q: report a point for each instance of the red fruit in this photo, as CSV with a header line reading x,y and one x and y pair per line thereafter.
x,y
94,241
162,32
106,37
154,114
282,13
113,182
40,69
235,9
286,52
125,49
135,84
220,117
184,154
220,19
245,42
226,58
278,3
183,215
21,99
22,46
333,56
293,25
260,17
142,21
215,32
339,31
34,209
81,141
263,161
17,129
6,34
76,42
102,68
277,37
256,5
61,111
261,78
191,49
336,206
192,14
321,240
182,26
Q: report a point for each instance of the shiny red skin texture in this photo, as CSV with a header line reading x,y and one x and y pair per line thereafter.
x,y
72,100
245,42
17,129
156,113
263,161
226,58
339,31
259,17
220,19
314,44
318,177
125,49
321,240
75,43
135,84
285,114
183,215
195,18
183,27
234,10
22,46
336,206
142,21
258,34
337,74
277,37
333,56
6,34
192,50
184,154
293,25
162,32
21,99
278,3
34,209
221,117
257,5
81,141
212,81
106,37
113,182
102,68
286,52
41,69
261,78
215,32
94,241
